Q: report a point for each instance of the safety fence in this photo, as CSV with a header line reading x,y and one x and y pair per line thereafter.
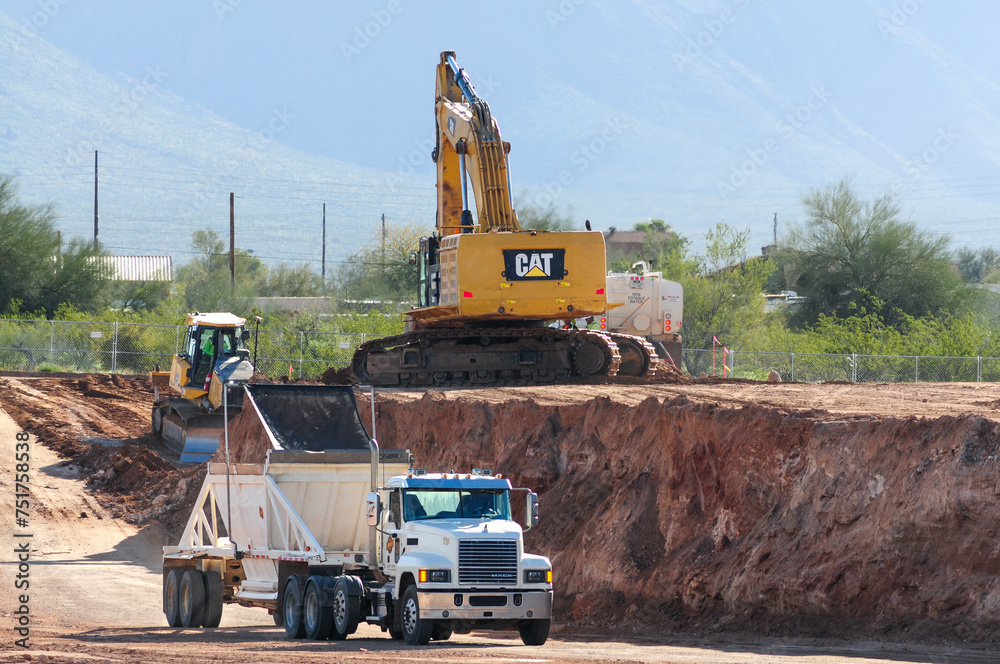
x,y
852,368
131,348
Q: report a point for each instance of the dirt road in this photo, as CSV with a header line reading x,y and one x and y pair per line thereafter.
x,y
95,578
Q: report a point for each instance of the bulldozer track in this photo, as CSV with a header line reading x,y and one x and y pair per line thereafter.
x,y
486,357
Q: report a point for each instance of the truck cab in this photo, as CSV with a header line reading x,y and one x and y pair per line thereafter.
x,y
456,560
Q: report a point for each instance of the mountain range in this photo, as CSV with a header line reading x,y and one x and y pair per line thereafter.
x,y
617,111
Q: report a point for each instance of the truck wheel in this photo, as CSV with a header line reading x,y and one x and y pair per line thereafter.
x,y
346,610
416,631
213,600
192,598
317,619
172,597
534,632
291,608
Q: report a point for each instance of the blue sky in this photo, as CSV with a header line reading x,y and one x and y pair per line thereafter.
x,y
694,112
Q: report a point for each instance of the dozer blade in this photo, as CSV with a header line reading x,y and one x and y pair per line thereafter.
x,y
194,435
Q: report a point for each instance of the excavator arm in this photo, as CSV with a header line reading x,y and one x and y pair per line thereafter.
x,y
469,153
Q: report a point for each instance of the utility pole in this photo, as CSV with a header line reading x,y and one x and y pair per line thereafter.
x,y
383,239
96,216
232,243
776,229
323,265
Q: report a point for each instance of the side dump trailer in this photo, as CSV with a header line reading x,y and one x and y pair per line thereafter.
x,y
326,531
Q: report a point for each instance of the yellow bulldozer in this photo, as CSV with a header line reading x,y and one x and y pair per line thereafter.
x,y
214,358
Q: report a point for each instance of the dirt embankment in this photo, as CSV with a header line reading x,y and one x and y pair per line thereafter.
x,y
674,513
779,509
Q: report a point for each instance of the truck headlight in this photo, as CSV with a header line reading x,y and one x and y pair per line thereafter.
x,y
435,575
538,576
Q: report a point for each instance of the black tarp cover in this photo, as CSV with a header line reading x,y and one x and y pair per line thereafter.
x,y
311,417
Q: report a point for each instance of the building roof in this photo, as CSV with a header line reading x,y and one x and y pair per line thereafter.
x,y
140,268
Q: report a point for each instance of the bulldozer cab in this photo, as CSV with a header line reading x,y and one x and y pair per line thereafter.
x,y
210,342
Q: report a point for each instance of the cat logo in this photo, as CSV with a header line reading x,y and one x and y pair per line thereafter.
x,y
533,264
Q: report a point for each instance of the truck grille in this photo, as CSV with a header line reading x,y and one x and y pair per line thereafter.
x,y
487,561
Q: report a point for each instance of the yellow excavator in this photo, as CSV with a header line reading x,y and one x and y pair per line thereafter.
x,y
214,358
489,290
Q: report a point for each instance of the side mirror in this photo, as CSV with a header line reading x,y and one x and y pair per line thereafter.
x,y
245,335
413,258
531,510
372,508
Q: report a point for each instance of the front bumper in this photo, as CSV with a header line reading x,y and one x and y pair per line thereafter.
x,y
484,605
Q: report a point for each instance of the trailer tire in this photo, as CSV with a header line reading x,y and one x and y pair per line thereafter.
x,y
346,610
172,596
291,608
317,615
192,600
416,631
534,632
213,600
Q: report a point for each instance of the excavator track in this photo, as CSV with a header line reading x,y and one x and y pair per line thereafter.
x,y
449,357
638,356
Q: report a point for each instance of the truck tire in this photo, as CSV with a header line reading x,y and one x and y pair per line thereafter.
x,y
534,632
213,600
317,616
172,596
192,598
291,608
346,609
416,631
277,616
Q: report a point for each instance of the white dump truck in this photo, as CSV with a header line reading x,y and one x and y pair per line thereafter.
x,y
646,305
328,532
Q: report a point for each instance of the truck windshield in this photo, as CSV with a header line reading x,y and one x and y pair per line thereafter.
x,y
419,504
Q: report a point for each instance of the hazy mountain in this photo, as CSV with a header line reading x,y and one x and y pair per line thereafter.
x,y
166,165
694,112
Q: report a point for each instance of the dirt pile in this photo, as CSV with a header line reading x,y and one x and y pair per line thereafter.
x,y
100,423
672,513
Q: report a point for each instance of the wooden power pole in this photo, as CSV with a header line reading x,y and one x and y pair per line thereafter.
x,y
232,244
323,264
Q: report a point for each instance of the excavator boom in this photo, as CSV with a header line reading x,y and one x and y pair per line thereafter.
x,y
489,288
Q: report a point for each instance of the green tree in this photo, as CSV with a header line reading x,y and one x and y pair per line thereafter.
x,y
206,282
978,266
378,278
532,217
284,280
36,274
722,289
850,253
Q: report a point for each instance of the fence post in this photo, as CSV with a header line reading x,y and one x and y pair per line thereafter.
x,y
916,368
854,367
302,336
793,368
979,368
114,347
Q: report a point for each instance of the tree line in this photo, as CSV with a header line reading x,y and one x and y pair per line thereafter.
x,y
867,279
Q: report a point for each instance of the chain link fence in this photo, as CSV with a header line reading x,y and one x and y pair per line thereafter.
x,y
853,368
129,348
